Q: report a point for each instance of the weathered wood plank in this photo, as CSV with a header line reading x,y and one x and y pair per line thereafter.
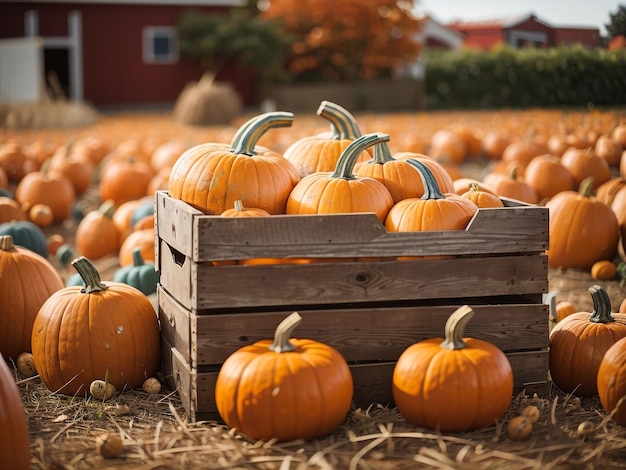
x,y
513,229
202,286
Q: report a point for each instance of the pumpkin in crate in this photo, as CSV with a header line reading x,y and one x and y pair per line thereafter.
x,y
284,389
212,176
319,153
398,176
453,384
611,381
582,228
28,279
14,437
579,341
101,330
340,191
483,199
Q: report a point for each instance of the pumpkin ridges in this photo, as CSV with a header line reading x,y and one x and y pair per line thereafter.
x,y
14,437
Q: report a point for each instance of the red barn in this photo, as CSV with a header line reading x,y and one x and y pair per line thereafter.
x,y
115,53
523,31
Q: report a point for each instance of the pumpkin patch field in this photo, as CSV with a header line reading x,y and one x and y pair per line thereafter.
x,y
326,290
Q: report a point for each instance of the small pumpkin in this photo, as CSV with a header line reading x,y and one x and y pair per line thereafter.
x,y
564,309
285,389
585,163
14,437
548,177
510,185
578,343
341,191
483,199
140,274
28,280
611,381
603,270
99,330
142,239
453,384
10,210
96,234
124,180
211,177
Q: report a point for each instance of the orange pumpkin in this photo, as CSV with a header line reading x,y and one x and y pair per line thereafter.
x,y
284,389
608,148
511,185
97,331
453,384
603,270
211,177
483,199
578,343
341,191
239,211
447,145
14,437
611,381
585,163
54,190
28,279
10,210
142,239
319,153
547,176
78,172
96,234
564,309
583,229
124,179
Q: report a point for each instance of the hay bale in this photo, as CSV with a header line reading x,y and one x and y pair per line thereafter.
x,y
207,102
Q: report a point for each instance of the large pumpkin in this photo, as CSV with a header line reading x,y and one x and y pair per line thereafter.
x,y
14,438
454,384
211,177
612,381
579,341
319,153
97,331
341,191
284,389
583,229
27,280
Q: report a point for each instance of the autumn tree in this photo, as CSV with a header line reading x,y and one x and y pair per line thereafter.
x,y
343,40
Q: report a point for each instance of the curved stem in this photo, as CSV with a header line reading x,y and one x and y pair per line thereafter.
x,y
601,306
351,153
107,208
382,154
249,133
455,328
283,333
137,258
343,124
431,188
586,187
89,274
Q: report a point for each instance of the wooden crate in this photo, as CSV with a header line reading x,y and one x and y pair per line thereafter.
x,y
369,310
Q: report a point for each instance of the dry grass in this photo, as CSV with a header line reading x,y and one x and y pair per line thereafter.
x,y
156,435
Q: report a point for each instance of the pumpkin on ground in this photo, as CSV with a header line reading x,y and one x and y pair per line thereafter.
x,y
585,163
26,234
319,153
10,210
611,381
284,389
140,275
102,330
579,341
97,235
582,228
341,191
28,279
548,177
211,177
604,270
454,384
142,239
510,185
14,437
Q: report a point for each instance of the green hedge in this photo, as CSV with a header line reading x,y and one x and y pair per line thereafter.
x,y
508,77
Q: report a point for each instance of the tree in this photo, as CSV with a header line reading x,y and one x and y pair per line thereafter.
x,y
239,36
343,40
617,23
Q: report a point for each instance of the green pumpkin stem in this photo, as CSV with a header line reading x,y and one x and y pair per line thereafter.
x,y
455,328
137,258
601,306
351,153
431,188
247,136
283,333
585,188
342,123
382,154
89,274
474,187
6,242
107,208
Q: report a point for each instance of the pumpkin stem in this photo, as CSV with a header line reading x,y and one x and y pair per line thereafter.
x,y
6,243
249,133
601,306
382,154
351,153
586,187
238,205
283,333
89,274
137,258
455,328
342,123
107,208
431,188
474,187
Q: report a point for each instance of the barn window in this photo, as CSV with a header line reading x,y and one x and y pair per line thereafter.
x,y
160,45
